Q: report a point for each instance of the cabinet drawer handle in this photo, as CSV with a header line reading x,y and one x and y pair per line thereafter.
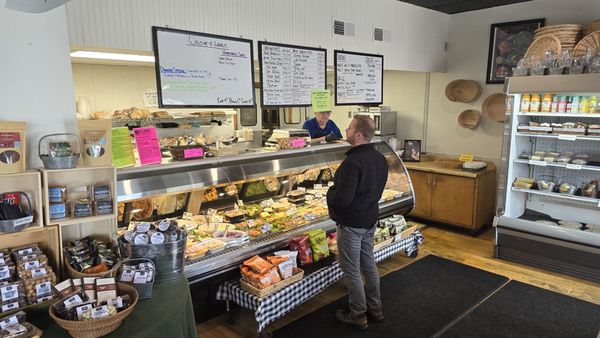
x,y
434,183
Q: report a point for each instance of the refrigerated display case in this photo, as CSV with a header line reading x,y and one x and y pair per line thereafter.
x,y
548,211
238,207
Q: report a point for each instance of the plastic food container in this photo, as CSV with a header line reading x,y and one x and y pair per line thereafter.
x,y
546,183
581,159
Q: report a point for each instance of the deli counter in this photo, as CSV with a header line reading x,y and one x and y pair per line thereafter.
x,y
240,206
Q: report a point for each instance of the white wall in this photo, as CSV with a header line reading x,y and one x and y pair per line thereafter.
x,y
468,42
36,82
418,34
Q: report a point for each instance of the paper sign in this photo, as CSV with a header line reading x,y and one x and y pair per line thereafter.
x,y
574,166
193,153
122,150
150,98
466,157
540,163
147,145
320,100
297,143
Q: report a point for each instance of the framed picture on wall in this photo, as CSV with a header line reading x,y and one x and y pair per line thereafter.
x,y
412,151
508,43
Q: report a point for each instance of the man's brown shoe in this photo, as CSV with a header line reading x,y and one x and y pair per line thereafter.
x,y
346,316
375,315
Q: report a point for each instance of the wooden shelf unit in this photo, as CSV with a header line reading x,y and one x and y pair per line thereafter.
x,y
30,183
46,237
78,177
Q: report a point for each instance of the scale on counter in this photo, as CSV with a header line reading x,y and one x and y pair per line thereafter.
x,y
291,132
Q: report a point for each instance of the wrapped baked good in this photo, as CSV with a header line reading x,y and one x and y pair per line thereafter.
x,y
260,281
98,115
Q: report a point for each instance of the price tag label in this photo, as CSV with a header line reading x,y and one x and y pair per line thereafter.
x,y
266,228
9,322
465,157
72,301
100,312
43,289
82,309
538,163
567,137
9,292
250,223
574,166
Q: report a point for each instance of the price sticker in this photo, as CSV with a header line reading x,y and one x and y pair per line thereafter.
x,y
250,223
574,166
266,228
538,163
567,137
9,322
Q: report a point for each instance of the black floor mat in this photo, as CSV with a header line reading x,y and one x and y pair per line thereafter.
x,y
522,310
418,301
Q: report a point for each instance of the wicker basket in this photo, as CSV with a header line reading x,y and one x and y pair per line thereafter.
x,y
77,274
448,163
98,327
260,293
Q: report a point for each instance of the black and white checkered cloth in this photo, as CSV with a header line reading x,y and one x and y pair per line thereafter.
x,y
276,305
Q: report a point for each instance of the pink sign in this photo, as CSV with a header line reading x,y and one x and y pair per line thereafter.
x,y
147,146
297,143
193,153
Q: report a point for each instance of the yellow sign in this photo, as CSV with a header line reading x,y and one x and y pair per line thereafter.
x,y
122,150
466,157
320,100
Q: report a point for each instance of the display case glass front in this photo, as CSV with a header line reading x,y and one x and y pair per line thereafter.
x,y
236,207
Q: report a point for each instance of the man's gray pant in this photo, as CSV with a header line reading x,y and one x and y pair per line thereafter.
x,y
355,247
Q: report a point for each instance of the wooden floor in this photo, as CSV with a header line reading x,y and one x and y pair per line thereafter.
x,y
444,242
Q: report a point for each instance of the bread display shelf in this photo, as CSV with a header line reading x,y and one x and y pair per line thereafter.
x,y
573,198
29,182
558,136
560,115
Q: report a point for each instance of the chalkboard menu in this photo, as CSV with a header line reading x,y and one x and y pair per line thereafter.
x,y
358,78
288,73
198,70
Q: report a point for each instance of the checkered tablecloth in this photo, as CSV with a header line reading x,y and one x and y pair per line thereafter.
x,y
275,306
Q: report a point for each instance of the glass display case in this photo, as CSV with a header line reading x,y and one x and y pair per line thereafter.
x,y
548,202
239,206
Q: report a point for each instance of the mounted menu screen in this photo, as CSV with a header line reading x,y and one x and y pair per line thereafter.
x,y
198,70
358,78
289,73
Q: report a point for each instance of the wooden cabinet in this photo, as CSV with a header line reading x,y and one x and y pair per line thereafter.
x,y
454,197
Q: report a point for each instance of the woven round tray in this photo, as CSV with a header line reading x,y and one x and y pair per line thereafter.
x,y
462,90
98,327
448,163
469,118
494,106
537,49
589,41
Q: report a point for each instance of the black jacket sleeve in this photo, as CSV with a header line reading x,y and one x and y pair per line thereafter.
x,y
343,192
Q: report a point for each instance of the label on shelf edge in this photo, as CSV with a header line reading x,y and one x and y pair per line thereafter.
x,y
574,166
567,137
540,163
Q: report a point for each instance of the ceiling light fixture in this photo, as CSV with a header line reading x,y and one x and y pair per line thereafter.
x,y
111,56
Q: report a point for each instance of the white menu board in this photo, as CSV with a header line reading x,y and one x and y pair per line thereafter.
x,y
288,73
358,78
197,70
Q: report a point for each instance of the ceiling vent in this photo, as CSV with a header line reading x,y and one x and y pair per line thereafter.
x,y
342,28
382,35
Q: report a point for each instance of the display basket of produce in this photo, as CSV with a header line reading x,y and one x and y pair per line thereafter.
x,y
13,218
168,257
260,293
190,152
59,151
125,272
98,327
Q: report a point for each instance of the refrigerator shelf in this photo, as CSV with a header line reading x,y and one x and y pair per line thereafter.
x,y
559,165
586,200
561,137
558,115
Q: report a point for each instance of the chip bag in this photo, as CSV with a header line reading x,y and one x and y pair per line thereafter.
x,y
302,245
318,242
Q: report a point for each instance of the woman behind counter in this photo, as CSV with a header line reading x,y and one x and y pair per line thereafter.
x,y
321,128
